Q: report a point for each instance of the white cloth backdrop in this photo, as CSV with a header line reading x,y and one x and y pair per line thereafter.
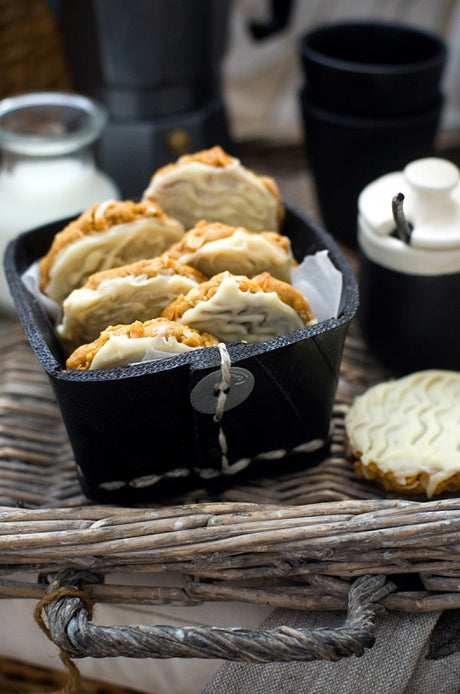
x,y
262,78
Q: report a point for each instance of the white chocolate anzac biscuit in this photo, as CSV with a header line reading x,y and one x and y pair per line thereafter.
x,y
215,186
138,291
107,235
405,433
120,345
215,247
235,307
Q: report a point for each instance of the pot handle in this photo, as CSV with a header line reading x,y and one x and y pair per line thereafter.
x,y
65,616
279,19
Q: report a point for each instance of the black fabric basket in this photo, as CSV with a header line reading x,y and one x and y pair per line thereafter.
x,y
134,431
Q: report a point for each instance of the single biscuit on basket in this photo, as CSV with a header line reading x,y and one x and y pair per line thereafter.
x,y
120,345
215,247
215,186
405,433
139,291
235,307
107,235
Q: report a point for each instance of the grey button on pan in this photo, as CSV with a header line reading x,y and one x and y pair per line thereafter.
x,y
204,394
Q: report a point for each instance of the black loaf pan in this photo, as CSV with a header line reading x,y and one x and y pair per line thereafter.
x,y
134,431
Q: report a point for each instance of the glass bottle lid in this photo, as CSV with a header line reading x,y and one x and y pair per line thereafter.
x,y
44,124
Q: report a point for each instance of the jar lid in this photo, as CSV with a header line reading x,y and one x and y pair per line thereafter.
x,y
431,206
431,190
42,124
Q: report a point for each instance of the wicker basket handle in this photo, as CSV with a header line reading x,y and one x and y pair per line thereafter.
x,y
67,613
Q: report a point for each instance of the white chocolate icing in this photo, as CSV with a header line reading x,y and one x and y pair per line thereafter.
x,y
230,194
120,245
121,350
120,300
232,314
409,426
242,253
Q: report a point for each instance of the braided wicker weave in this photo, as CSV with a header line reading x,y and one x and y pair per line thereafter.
x,y
31,53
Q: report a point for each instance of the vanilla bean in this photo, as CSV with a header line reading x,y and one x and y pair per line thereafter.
x,y
403,228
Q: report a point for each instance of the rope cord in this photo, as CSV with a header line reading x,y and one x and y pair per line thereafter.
x,y
222,389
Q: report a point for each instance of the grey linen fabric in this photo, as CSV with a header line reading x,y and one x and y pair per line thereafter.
x,y
413,654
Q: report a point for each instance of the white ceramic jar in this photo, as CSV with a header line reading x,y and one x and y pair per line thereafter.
x,y
48,170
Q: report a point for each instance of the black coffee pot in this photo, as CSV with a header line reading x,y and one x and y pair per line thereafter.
x,y
156,66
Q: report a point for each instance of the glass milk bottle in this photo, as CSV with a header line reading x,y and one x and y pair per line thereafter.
x,y
47,169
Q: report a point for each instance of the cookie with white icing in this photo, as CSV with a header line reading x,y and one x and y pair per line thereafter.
x,y
120,345
235,307
216,187
107,235
215,247
405,433
138,291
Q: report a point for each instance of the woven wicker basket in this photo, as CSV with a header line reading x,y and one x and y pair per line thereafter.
x,y
319,539
31,52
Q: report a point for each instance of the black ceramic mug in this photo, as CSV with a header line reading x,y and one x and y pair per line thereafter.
x,y
345,153
370,104
373,69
